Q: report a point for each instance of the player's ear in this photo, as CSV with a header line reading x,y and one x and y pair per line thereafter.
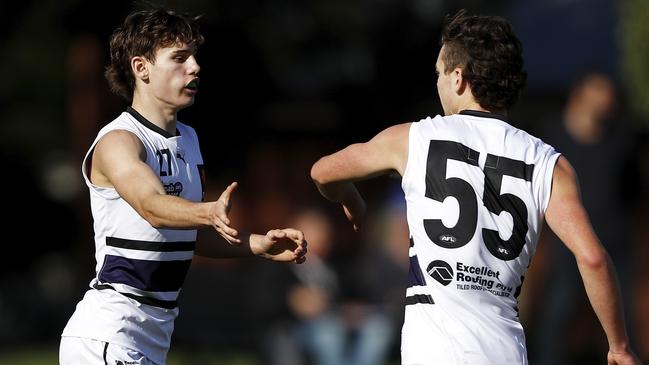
x,y
459,82
140,68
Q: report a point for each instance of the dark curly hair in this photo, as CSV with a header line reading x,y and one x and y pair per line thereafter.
x,y
142,34
490,55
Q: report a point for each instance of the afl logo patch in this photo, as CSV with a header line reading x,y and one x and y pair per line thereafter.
x,y
447,238
440,271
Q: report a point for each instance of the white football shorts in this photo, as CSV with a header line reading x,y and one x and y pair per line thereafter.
x,y
85,351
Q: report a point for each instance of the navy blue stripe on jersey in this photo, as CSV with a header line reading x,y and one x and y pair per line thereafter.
x,y
144,274
419,299
415,276
150,246
167,304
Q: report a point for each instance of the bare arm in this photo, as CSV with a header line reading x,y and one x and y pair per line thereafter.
x,y
567,218
119,161
335,174
277,245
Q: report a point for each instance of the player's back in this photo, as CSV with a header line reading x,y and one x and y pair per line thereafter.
x,y
476,190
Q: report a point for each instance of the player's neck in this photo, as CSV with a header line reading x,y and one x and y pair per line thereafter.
x,y
473,105
162,117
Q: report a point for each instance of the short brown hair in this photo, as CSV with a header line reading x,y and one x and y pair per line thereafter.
x,y
142,34
490,55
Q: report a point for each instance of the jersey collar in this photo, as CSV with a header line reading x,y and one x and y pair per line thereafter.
x,y
145,122
478,113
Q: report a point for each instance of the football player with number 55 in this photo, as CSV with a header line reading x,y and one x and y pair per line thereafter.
x,y
477,191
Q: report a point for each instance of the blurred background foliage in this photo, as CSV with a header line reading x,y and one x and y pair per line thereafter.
x,y
634,33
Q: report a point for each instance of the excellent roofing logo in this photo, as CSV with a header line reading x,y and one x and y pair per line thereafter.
x,y
440,271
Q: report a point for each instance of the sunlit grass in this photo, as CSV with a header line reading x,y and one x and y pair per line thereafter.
x,y
49,355
29,356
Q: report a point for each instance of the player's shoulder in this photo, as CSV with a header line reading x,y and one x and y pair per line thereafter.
x,y
563,169
396,130
121,122
120,130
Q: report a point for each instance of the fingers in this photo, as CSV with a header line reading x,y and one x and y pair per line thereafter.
x,y
296,254
294,234
297,237
354,219
228,237
222,222
223,217
224,225
227,193
300,253
231,188
276,233
227,232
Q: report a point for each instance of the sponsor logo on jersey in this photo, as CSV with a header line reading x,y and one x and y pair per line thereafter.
x,y
174,188
440,271
480,278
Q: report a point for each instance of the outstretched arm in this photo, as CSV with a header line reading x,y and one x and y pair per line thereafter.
x,y
286,245
119,162
335,174
567,218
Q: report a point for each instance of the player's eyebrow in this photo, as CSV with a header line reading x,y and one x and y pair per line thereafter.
x,y
185,49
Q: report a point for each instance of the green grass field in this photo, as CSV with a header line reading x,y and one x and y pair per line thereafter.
x,y
46,355
49,355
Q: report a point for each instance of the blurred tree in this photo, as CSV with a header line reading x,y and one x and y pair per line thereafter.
x,y
634,37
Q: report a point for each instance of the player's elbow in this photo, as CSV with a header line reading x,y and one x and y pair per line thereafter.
x,y
319,172
593,259
157,224
154,221
148,214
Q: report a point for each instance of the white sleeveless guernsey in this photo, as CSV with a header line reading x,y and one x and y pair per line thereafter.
x,y
476,190
140,269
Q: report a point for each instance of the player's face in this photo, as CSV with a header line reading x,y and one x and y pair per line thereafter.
x,y
444,84
174,76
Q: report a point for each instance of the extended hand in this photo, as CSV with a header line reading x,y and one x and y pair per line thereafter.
x,y
623,358
280,245
355,213
220,220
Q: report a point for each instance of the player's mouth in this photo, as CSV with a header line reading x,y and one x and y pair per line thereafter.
x,y
192,85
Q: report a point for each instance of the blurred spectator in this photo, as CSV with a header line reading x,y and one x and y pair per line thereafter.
x,y
593,135
325,326
385,251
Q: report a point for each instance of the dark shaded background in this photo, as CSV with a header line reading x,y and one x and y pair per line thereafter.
x,y
282,83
